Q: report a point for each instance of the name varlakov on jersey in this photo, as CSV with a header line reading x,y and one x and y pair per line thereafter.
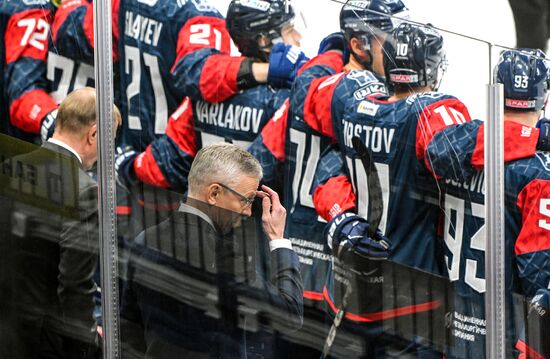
x,y
142,28
230,116
377,139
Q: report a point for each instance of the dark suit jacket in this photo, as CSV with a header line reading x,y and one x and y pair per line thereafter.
x,y
188,292
52,252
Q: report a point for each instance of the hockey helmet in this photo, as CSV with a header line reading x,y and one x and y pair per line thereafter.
x,y
526,79
248,20
414,56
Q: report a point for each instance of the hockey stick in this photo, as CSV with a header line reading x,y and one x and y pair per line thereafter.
x,y
375,210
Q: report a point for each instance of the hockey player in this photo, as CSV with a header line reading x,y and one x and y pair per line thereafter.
x,y
364,25
456,156
25,28
167,160
287,144
391,127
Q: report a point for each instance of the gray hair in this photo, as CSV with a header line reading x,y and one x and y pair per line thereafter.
x,y
223,163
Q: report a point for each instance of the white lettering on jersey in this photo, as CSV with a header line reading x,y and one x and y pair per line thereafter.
x,y
544,158
475,184
237,117
377,139
143,28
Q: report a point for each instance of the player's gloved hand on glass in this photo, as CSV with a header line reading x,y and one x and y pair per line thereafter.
x,y
334,41
124,166
48,126
348,233
284,63
543,143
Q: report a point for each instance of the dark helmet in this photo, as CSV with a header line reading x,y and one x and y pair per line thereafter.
x,y
525,76
368,17
414,56
248,20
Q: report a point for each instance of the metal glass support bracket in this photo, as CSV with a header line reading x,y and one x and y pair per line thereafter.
x,y
103,55
494,224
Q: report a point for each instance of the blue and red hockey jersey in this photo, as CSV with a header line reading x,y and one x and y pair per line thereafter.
x,y
25,29
169,50
71,49
238,120
456,155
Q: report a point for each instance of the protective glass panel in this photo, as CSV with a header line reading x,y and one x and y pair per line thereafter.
x,y
50,295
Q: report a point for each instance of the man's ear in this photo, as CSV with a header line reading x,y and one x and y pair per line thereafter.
x,y
213,192
91,135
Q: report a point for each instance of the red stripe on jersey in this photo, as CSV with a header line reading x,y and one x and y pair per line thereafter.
x,y
218,79
123,210
317,106
181,128
115,9
331,59
162,207
334,197
27,35
526,352
520,141
147,169
387,314
274,132
534,204
202,32
27,112
316,296
61,14
434,118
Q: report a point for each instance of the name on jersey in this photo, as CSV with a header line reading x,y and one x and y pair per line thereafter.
x,y
475,184
142,28
377,139
233,117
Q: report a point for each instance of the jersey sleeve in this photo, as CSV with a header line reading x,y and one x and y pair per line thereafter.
x,y
26,48
313,91
73,30
204,68
333,190
532,247
269,146
167,160
454,149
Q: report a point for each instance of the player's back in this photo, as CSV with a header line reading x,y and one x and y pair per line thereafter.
x,y
71,53
527,231
310,133
151,32
391,132
24,28
239,119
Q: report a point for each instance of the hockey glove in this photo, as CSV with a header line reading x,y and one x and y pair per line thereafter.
x,y
543,143
348,233
48,126
284,63
124,167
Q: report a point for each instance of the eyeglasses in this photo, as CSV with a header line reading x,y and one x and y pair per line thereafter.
x,y
245,201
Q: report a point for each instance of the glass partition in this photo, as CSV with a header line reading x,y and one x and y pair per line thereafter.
x,y
397,240
50,286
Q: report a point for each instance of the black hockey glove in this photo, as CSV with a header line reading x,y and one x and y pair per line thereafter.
x,y
348,233
284,63
48,126
543,143
124,167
